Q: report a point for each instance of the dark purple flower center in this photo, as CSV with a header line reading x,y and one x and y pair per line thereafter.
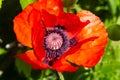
x,y
56,42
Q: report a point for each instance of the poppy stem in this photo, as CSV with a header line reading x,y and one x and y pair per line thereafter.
x,y
42,75
61,76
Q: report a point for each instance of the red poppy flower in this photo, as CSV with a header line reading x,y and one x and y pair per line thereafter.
x,y
51,6
58,38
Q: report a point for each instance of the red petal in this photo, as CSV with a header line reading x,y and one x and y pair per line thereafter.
x,y
71,22
86,57
38,33
62,65
51,6
30,58
94,29
49,20
22,28
92,40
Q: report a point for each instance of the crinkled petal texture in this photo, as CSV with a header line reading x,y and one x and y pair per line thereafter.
x,y
51,6
23,23
38,33
22,27
92,40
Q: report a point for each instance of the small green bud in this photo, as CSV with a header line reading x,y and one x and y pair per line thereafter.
x,y
114,32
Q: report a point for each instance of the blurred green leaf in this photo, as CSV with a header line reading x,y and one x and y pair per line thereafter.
x,y
24,3
69,3
23,67
118,20
6,20
61,76
113,6
81,74
116,47
0,3
2,51
114,32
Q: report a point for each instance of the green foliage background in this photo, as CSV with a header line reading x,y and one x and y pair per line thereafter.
x,y
15,69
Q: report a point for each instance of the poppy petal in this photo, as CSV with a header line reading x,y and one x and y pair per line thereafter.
x,y
51,6
71,22
22,28
62,65
94,29
86,57
92,40
30,58
38,33
48,19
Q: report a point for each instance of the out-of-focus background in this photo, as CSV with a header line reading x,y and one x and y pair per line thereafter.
x,y
15,69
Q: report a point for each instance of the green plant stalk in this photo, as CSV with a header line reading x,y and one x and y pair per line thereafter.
x,y
42,75
61,76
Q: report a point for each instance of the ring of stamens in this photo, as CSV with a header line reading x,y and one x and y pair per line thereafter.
x,y
56,42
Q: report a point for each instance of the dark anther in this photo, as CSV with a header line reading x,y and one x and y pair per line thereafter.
x,y
60,27
50,63
73,41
